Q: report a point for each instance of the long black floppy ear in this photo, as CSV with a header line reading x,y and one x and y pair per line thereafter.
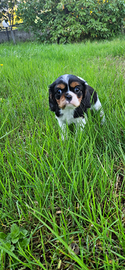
x,y
52,101
84,83
86,100
92,94
90,97
89,94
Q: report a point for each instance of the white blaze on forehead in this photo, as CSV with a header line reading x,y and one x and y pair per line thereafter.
x,y
65,78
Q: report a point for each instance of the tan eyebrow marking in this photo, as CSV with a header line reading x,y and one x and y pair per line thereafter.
x,y
61,86
73,84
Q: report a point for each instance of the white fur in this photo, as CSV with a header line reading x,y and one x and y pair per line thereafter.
x,y
67,115
74,100
97,106
65,77
67,118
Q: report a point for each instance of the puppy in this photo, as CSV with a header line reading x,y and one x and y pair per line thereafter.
x,y
69,98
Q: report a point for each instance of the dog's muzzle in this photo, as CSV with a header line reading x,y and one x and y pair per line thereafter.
x,y
68,97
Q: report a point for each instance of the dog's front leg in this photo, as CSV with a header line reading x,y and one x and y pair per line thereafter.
x,y
63,131
63,128
80,122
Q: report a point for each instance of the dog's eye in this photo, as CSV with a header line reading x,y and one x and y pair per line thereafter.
x,y
59,91
76,89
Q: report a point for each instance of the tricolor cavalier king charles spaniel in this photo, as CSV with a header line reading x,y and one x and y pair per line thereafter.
x,y
69,98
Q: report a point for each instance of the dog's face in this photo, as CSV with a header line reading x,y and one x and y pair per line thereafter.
x,y
67,91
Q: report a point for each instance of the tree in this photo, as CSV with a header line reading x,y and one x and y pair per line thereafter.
x,y
7,10
70,20
7,13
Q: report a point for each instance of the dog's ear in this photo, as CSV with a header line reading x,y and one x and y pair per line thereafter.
x,y
84,84
52,101
86,100
90,97
92,93
89,94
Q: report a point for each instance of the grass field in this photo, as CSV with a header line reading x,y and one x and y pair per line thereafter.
x,y
62,203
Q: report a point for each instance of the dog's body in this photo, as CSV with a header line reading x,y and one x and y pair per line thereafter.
x,y
70,97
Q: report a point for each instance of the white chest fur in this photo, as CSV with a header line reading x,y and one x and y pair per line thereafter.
x,y
67,115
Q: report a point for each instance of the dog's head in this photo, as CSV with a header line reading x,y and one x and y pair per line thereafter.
x,y
69,91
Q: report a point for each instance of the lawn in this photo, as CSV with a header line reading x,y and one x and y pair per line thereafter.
x,y
62,203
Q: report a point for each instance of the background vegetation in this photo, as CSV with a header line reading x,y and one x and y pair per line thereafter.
x,y
8,13
62,204
69,20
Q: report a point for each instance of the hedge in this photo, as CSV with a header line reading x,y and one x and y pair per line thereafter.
x,y
71,20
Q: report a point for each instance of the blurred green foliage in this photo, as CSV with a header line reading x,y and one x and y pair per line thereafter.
x,y
72,21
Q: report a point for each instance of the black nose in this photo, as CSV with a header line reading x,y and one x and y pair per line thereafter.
x,y
68,97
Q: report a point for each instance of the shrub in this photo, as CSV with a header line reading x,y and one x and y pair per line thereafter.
x,y
70,20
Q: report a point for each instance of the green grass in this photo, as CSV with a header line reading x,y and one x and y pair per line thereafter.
x,y
61,192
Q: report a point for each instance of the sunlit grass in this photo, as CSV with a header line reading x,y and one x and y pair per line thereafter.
x,y
62,192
